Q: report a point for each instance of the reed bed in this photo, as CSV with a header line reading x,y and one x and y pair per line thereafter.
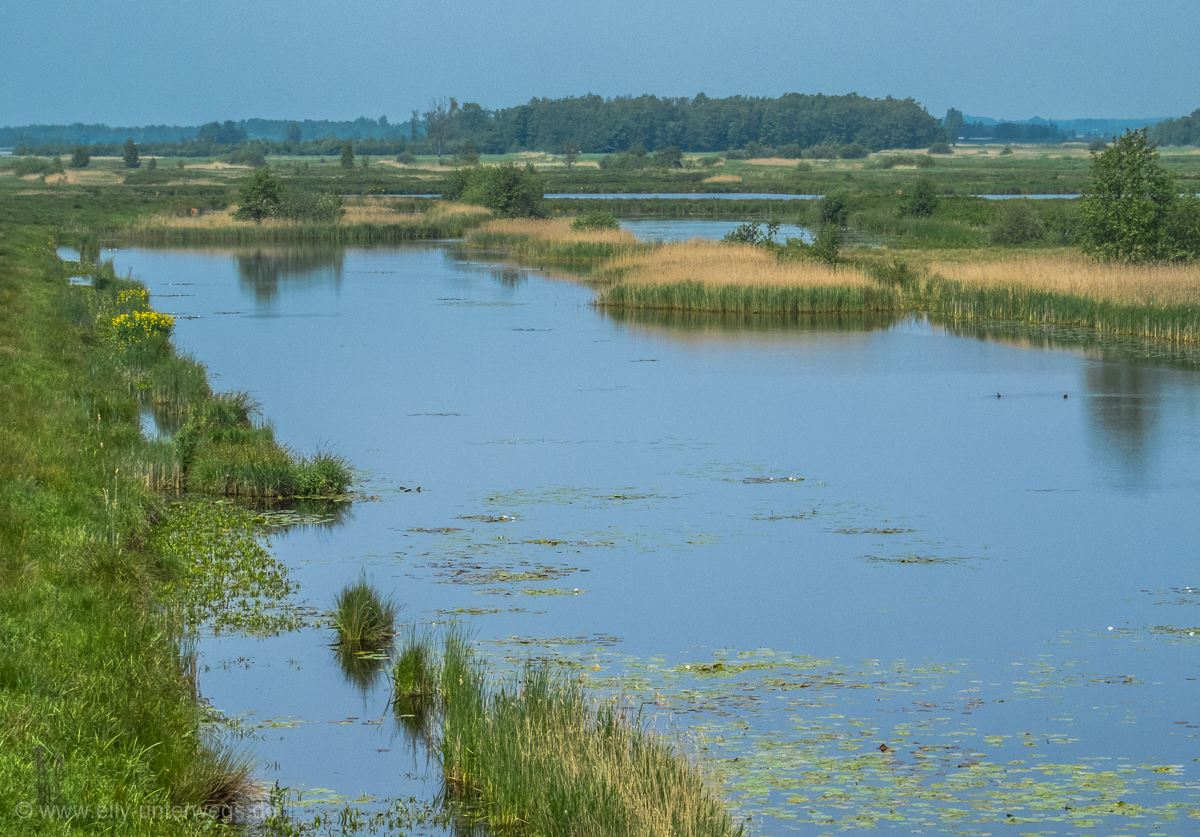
x,y
363,223
751,299
224,453
265,470
553,240
156,465
1127,284
1155,301
737,279
534,754
176,382
717,263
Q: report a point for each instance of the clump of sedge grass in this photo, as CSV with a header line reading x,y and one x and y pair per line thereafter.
x,y
221,781
413,674
363,616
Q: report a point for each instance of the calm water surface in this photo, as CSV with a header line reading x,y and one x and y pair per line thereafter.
x,y
936,609
659,230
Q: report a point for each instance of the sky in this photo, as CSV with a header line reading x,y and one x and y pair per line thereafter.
x,y
188,62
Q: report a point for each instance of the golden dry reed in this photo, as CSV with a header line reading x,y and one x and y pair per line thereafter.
x,y
542,240
717,263
1161,284
558,230
360,211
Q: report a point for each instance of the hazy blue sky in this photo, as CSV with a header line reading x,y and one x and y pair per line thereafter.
x,y
188,62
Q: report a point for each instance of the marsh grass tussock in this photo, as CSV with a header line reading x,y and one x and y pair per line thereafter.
x,y
1156,301
363,617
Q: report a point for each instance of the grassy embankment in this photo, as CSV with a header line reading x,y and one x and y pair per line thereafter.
x,y
97,709
534,754
101,578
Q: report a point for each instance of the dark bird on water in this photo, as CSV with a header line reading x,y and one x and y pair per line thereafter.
x,y
997,395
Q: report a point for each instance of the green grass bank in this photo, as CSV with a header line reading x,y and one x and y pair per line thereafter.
x,y
98,717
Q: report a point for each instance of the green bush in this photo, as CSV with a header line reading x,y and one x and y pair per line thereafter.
x,y
32,165
941,148
921,200
406,158
467,155
1017,222
752,233
259,197
670,157
249,155
833,209
625,161
854,151
509,190
265,196
827,246
597,220
303,205
1006,150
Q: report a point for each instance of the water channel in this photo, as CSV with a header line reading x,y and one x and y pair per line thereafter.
x,y
949,572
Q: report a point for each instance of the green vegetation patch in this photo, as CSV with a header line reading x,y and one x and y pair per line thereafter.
x,y
227,579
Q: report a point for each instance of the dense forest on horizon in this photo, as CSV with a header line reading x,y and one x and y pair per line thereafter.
x,y
1182,131
593,124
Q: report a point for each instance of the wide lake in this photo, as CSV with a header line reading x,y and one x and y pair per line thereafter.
x,y
891,572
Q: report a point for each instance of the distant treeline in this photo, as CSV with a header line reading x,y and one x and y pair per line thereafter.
x,y
330,147
226,133
1182,131
597,125
1014,132
590,124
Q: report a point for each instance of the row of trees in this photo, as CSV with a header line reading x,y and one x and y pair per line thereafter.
x,y
598,125
1182,131
588,123
1011,132
221,133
